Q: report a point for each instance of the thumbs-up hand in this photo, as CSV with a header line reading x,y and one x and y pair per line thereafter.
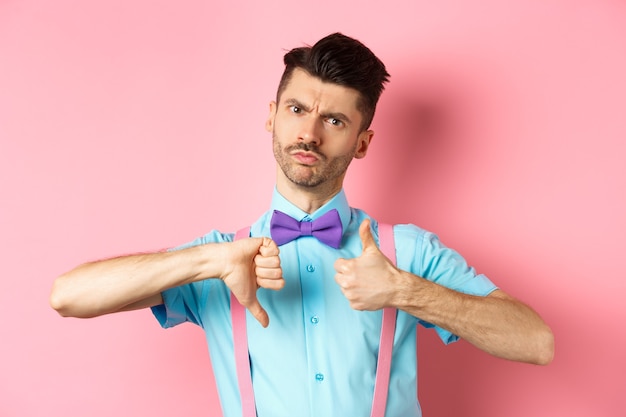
x,y
253,263
368,282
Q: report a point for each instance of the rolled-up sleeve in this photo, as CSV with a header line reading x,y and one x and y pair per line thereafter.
x,y
184,303
174,309
423,254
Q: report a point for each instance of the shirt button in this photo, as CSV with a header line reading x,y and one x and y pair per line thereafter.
x,y
310,268
315,319
319,377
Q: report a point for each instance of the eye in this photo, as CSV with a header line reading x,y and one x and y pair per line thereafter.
x,y
295,109
335,122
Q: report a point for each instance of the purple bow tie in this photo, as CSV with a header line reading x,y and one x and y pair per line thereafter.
x,y
327,228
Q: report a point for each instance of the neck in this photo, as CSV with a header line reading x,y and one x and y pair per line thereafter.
x,y
307,199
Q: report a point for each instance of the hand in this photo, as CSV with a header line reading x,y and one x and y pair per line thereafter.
x,y
368,281
253,263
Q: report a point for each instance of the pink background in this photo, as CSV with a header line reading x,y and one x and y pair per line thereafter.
x,y
132,126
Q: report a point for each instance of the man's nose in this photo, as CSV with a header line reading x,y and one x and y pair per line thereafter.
x,y
310,130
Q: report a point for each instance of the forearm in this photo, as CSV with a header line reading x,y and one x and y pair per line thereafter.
x,y
497,324
111,285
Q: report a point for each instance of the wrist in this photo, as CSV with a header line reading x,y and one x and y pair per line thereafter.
x,y
409,289
401,289
208,261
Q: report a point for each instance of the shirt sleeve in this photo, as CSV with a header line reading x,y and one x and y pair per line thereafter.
x,y
184,303
423,254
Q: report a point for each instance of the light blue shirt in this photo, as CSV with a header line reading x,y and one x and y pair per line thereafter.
x,y
318,355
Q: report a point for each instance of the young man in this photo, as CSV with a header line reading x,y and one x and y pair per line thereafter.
x,y
330,286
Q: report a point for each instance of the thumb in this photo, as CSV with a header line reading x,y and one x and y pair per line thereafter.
x,y
268,247
365,232
259,313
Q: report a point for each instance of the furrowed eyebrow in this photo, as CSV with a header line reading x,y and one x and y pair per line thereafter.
x,y
331,115
338,116
293,102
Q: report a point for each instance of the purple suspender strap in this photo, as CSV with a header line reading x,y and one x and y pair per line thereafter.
x,y
240,339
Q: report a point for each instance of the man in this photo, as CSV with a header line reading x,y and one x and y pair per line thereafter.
x,y
314,345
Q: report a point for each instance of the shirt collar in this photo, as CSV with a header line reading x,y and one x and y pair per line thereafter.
x,y
338,202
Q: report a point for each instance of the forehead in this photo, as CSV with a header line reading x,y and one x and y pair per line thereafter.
x,y
314,92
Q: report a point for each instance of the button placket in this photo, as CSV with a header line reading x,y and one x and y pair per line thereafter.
x,y
312,279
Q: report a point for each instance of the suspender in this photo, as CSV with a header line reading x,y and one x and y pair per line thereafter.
x,y
383,368
385,348
240,340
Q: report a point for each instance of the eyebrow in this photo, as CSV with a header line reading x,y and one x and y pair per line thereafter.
x,y
332,115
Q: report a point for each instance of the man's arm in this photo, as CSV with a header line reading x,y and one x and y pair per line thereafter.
x,y
137,281
497,324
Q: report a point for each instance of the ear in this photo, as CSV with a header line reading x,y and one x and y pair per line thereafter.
x,y
364,140
269,124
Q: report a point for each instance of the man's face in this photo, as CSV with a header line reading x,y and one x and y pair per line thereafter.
x,y
315,127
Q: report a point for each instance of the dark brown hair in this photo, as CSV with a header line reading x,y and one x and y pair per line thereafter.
x,y
341,60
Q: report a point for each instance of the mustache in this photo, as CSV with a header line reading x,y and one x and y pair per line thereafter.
x,y
306,147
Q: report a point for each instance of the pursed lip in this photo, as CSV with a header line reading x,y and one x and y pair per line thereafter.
x,y
304,157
